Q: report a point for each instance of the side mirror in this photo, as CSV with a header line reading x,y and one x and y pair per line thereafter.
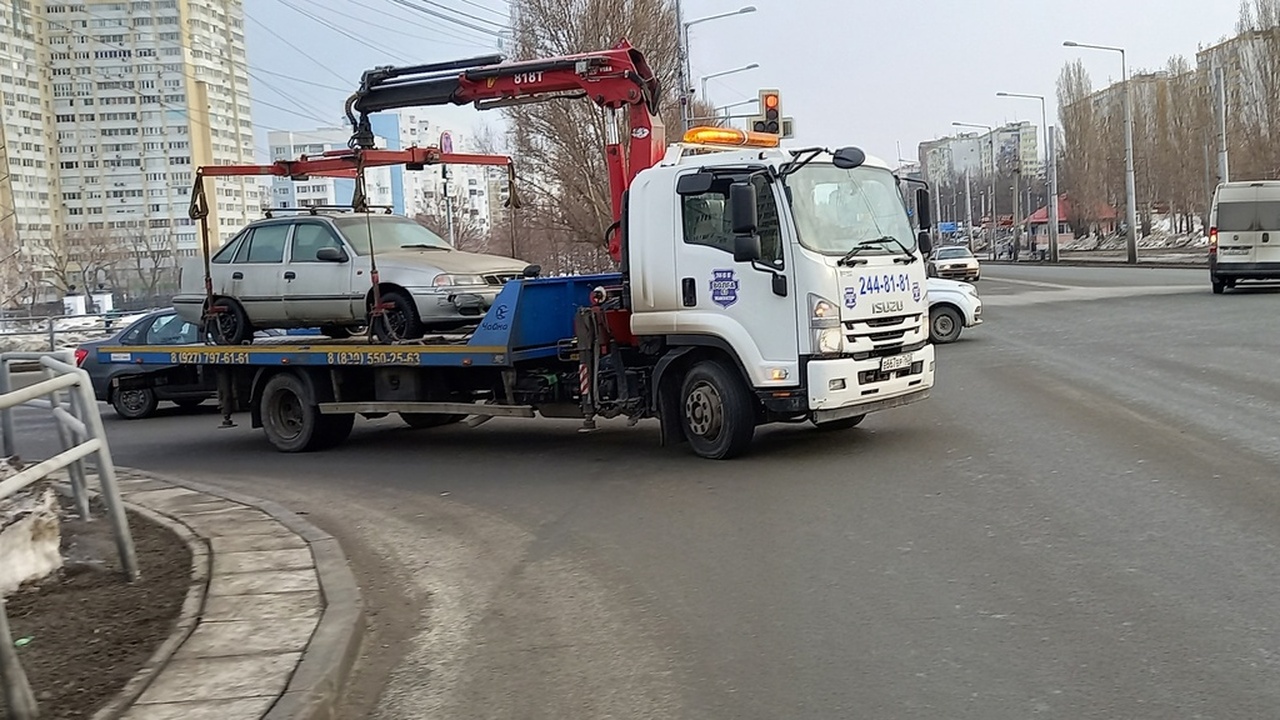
x,y
848,158
331,254
742,208
925,242
694,184
924,208
746,248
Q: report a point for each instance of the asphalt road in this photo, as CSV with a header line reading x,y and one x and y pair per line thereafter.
x,y
1082,522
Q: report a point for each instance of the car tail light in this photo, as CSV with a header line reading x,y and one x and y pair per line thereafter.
x,y
81,354
1213,241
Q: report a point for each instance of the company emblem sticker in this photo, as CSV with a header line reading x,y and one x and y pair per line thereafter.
x,y
724,287
850,297
640,133
915,291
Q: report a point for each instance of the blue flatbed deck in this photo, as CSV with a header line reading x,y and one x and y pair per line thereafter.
x,y
528,321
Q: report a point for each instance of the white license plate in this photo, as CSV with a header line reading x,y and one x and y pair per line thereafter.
x,y
1234,250
896,362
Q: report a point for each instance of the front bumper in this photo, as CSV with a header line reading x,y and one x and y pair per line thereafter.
x,y
454,304
958,273
844,387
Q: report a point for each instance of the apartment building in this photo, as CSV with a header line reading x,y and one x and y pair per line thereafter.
x,y
325,190
29,215
143,92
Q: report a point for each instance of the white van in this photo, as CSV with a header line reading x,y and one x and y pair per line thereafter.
x,y
1244,233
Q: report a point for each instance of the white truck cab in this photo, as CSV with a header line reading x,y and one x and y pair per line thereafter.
x,y
802,266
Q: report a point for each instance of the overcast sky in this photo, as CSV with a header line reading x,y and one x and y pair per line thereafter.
x,y
872,73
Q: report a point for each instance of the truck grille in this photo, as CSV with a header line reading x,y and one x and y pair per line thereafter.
x,y
500,278
884,336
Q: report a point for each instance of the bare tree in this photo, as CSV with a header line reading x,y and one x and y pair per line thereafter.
x,y
152,260
76,261
561,144
469,234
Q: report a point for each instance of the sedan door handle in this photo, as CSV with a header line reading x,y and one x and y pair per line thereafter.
x,y
237,275
289,275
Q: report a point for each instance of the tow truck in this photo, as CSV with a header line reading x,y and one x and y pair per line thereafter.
x,y
755,284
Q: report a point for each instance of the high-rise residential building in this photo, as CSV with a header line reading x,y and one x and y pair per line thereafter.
x,y
143,92
289,145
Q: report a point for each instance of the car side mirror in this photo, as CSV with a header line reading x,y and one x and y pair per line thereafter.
x,y
331,254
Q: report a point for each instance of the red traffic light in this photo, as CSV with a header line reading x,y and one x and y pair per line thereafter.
x,y
770,101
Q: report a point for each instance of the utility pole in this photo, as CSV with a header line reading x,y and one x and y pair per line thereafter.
x,y
1052,149
968,211
1220,90
682,41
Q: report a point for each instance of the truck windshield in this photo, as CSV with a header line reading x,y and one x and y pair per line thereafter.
x,y
390,233
836,210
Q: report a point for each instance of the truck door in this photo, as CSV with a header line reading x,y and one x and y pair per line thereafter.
x,y
315,290
736,301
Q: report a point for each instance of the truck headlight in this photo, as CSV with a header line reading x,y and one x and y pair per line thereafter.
x,y
823,313
826,341
454,280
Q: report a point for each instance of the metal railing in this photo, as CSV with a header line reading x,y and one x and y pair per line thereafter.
x,y
81,434
50,328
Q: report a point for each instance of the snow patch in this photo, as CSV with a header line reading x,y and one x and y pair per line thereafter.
x,y
30,532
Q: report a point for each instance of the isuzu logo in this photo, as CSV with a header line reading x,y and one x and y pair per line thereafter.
x,y
887,306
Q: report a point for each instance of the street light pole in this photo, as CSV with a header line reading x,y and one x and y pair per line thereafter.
x,y
1051,171
991,136
722,73
1131,200
686,64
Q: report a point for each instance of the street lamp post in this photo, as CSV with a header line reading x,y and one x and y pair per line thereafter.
x,y
1051,169
722,73
991,136
686,66
1131,199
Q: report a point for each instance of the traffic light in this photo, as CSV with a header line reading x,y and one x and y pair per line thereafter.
x,y
770,118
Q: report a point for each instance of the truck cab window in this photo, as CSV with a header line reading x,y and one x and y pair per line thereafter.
x,y
706,220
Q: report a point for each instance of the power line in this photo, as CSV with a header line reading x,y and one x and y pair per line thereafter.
x,y
300,51
484,7
325,23
468,43
447,32
468,15
302,81
446,18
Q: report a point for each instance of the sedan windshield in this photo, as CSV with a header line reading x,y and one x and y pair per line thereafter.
x,y
390,233
839,210
954,253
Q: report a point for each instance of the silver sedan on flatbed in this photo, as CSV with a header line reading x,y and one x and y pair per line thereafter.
x,y
313,270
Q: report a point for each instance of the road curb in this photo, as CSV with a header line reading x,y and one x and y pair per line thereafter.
x,y
316,686
315,683
1103,263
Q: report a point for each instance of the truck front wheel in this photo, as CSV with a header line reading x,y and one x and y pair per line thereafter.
x,y
717,412
293,424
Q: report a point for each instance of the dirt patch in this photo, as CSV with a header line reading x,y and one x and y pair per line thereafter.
x,y
85,631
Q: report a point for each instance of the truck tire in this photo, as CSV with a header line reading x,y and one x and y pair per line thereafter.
x,y
423,421
231,325
134,404
944,325
292,424
716,411
398,322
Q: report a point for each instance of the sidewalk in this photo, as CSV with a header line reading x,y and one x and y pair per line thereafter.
x,y
272,624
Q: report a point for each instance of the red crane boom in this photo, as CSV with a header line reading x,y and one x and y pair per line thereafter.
x,y
613,79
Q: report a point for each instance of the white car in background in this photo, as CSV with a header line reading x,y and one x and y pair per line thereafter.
x,y
953,306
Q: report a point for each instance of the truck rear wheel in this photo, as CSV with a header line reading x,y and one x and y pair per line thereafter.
x,y
293,424
422,421
717,412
